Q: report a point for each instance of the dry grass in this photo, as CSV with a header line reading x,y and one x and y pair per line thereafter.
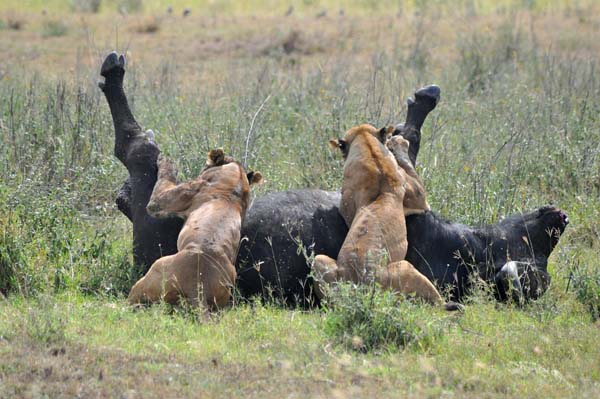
x,y
210,41
146,25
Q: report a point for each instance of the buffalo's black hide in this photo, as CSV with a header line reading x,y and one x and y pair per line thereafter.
x,y
283,229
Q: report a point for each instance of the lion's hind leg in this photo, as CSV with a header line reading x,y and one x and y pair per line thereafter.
x,y
405,278
160,283
215,279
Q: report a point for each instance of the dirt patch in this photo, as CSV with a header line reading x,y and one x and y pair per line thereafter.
x,y
76,370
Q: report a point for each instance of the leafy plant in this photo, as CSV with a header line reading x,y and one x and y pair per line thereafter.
x,y
130,6
367,318
54,28
585,282
92,6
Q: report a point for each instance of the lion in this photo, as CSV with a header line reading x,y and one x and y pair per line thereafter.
x,y
202,272
362,166
378,190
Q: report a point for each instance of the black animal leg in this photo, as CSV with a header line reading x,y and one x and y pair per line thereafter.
x,y
425,101
123,200
126,127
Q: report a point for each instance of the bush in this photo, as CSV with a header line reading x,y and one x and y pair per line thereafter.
x,y
110,270
92,6
147,25
11,255
48,245
585,281
130,6
366,318
15,22
54,28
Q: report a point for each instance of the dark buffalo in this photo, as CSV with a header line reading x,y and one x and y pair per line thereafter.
x,y
282,230
152,238
285,228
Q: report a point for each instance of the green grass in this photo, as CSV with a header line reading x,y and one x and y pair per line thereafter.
x,y
517,128
545,350
365,319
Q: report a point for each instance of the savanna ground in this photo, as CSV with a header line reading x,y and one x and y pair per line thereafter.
x,y
517,128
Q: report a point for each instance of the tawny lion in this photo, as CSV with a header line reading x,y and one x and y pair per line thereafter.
x,y
379,189
213,207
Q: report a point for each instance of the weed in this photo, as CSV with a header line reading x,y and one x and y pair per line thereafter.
x,y
584,280
15,22
130,6
147,25
367,318
92,6
54,28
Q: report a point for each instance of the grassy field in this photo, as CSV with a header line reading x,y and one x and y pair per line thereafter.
x,y
517,128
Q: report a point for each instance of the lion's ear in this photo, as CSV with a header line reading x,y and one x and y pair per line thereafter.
x,y
254,177
339,143
215,157
385,133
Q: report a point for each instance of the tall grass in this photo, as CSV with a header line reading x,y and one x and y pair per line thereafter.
x,y
517,128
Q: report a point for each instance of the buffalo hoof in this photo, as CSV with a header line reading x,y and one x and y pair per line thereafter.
x,y
431,94
453,307
113,70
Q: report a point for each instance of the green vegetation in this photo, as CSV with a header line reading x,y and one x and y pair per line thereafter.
x,y
92,6
69,343
517,128
365,319
54,28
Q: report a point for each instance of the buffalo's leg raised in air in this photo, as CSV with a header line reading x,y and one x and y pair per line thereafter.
x,y
152,238
188,273
425,101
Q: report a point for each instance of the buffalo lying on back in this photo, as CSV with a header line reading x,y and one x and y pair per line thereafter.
x,y
512,253
282,230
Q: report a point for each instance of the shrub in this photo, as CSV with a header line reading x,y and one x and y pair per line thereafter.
x,y
42,249
54,28
147,25
585,282
92,6
15,23
109,270
130,6
366,318
11,255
